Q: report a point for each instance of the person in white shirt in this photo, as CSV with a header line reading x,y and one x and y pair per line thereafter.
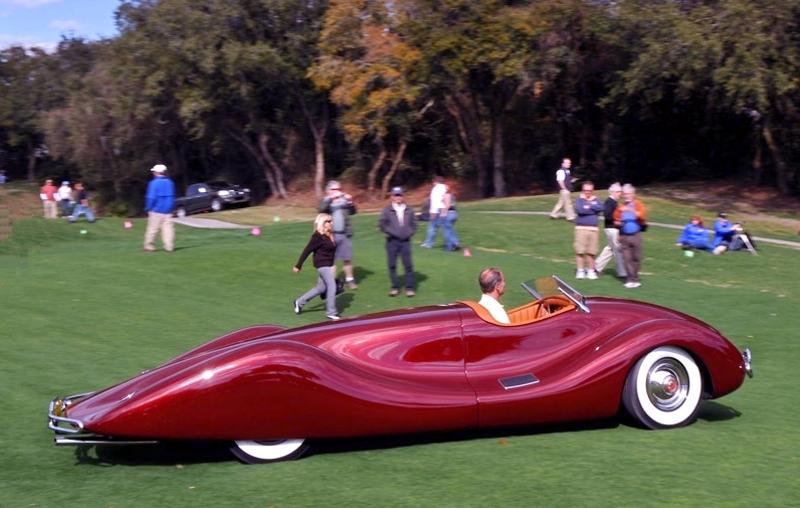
x,y
564,179
436,211
493,285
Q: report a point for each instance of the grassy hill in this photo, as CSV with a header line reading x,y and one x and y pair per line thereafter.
x,y
84,311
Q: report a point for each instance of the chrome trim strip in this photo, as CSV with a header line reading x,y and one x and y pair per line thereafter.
x,y
570,294
92,439
514,382
537,295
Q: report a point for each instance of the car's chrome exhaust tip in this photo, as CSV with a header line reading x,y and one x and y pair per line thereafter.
x,y
747,358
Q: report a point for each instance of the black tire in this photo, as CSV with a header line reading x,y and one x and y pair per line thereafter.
x,y
216,205
663,390
262,452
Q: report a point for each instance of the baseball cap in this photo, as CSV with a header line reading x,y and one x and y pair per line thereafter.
x,y
158,168
723,215
397,191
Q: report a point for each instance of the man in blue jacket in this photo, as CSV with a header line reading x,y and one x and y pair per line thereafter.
x,y
724,232
159,202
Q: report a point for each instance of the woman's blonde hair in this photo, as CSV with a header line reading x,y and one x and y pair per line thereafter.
x,y
319,224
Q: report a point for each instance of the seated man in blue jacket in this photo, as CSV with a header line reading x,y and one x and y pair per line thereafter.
x,y
724,232
694,235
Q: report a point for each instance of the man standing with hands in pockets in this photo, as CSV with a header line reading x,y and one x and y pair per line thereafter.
x,y
565,180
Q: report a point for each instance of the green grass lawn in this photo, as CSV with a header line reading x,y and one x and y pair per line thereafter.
x,y
83,311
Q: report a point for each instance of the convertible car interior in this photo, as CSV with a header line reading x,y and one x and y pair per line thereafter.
x,y
527,313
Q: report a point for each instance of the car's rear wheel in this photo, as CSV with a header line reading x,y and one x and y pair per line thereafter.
x,y
260,452
180,212
216,205
664,388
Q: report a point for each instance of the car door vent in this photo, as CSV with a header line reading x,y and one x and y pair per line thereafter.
x,y
509,383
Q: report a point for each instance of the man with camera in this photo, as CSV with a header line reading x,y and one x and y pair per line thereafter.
x,y
340,206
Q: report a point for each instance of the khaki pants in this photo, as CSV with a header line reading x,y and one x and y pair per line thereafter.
x,y
50,209
611,251
162,221
565,202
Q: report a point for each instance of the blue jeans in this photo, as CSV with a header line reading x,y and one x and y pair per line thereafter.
x,y
433,226
451,241
82,210
326,283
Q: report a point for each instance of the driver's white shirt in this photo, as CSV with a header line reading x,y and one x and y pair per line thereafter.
x,y
495,308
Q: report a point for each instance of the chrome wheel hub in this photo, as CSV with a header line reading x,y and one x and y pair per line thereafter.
x,y
667,384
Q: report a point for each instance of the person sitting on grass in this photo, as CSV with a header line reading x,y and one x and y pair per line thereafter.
x,y
724,232
694,235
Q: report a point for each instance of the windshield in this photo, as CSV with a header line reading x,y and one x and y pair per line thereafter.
x,y
552,286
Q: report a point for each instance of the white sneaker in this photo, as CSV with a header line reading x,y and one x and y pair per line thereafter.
x,y
580,274
591,274
333,317
632,284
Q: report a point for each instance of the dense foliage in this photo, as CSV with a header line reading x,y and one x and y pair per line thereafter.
x,y
281,94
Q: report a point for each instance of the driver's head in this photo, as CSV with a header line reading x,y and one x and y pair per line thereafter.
x,y
491,280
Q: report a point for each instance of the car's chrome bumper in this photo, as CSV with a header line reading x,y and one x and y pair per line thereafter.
x,y
56,419
70,431
747,359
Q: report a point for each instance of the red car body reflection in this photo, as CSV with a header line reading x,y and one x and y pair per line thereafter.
x,y
406,371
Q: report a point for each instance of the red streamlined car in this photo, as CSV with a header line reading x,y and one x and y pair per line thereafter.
x,y
268,389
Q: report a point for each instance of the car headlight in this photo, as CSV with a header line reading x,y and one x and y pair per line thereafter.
x,y
223,193
246,189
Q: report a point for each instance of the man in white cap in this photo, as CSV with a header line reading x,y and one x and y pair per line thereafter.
x,y
159,203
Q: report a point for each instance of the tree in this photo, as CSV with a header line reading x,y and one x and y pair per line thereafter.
x,y
367,66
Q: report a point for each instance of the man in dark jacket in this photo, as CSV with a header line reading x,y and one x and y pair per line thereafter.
x,y
398,223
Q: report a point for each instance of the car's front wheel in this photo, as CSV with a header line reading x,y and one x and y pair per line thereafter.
x,y
216,205
664,388
180,212
260,452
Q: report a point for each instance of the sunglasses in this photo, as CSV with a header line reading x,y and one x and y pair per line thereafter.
x,y
328,222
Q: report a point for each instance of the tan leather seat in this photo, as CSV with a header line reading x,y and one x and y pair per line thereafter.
x,y
527,313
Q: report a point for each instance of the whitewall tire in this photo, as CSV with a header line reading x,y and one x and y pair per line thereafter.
x,y
260,452
664,389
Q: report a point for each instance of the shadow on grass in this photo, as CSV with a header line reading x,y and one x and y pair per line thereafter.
x,y
716,412
173,453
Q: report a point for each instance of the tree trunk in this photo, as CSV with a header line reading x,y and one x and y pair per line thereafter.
x,y
31,162
318,133
248,145
469,133
498,158
372,176
398,158
758,163
277,170
781,171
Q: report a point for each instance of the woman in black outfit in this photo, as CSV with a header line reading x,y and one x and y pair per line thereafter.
x,y
323,246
